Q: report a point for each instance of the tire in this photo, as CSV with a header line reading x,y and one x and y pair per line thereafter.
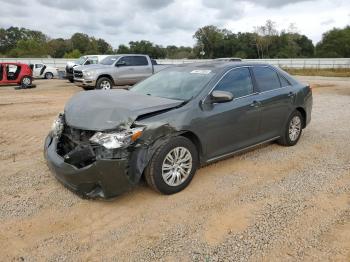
x,y
154,170
292,130
26,82
71,80
48,75
104,83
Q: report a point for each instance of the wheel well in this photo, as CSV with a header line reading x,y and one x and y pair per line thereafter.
x,y
107,76
303,114
195,140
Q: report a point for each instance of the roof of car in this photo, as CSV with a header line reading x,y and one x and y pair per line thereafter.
x,y
219,65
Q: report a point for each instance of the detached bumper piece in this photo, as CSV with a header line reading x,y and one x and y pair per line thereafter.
x,y
82,168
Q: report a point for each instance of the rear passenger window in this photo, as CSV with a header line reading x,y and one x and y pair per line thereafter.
x,y
237,81
284,82
140,61
266,78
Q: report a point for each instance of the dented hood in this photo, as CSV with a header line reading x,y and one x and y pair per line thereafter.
x,y
105,110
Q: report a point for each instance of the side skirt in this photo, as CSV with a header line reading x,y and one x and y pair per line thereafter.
x,y
240,150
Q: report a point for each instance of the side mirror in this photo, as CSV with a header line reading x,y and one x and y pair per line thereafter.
x,y
121,63
88,62
221,96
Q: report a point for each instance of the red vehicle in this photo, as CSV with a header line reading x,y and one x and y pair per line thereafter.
x,y
16,73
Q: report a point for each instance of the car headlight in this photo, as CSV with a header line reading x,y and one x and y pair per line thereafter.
x,y
57,125
88,73
113,140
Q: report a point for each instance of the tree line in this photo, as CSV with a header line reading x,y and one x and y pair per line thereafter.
x,y
211,42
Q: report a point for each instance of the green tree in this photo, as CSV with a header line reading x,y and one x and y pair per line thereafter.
x,y
209,39
334,43
29,48
80,42
73,54
58,47
103,47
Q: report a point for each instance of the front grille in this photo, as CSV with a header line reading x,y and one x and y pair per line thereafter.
x,y
78,74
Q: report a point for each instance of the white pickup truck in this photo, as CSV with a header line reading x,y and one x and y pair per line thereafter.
x,y
120,70
83,60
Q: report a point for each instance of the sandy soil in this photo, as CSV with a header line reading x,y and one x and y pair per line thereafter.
x,y
272,203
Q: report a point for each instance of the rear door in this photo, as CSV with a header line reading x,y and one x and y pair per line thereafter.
x,y
232,125
12,73
276,98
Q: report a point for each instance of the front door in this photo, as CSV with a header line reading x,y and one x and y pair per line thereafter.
x,y
232,125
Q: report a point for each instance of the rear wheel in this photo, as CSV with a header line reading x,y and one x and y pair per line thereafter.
x,y
104,83
26,82
172,166
293,130
48,75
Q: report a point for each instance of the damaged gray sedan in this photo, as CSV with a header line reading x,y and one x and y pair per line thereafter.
x,y
167,126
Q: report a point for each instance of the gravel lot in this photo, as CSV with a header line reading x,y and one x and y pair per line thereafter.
x,y
270,204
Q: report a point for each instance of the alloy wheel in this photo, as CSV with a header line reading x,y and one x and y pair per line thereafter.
x,y
294,128
105,85
177,166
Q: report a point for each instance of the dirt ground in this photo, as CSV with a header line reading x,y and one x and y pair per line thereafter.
x,y
270,204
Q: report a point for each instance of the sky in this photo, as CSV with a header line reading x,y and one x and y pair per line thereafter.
x,y
169,22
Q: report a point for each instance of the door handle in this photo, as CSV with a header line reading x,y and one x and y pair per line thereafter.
x,y
255,104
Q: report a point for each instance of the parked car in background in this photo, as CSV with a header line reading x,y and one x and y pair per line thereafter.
x,y
121,69
16,73
229,59
44,71
84,60
167,126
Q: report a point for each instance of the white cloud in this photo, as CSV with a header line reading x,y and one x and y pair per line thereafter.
x,y
169,22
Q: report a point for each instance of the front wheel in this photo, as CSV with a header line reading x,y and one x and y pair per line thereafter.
x,y
26,82
293,130
104,83
172,166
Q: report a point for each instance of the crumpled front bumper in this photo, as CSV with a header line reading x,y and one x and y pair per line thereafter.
x,y
101,179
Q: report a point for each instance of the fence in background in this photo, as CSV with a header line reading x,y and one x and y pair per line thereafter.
x,y
319,63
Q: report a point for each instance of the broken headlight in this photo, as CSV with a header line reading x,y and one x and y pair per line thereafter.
x,y
113,140
57,125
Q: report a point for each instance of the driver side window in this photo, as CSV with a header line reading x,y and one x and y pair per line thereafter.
x,y
238,82
127,60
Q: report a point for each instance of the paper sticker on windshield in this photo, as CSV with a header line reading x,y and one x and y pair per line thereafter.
x,y
203,72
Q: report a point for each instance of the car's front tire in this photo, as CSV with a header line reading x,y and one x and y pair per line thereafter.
x,y
104,83
292,130
172,166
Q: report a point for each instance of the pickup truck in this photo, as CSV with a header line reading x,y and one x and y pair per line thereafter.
x,y
83,60
123,69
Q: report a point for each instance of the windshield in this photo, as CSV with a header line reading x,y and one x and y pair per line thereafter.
x,y
109,60
175,83
81,60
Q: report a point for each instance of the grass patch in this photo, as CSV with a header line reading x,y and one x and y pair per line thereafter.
x,y
340,72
